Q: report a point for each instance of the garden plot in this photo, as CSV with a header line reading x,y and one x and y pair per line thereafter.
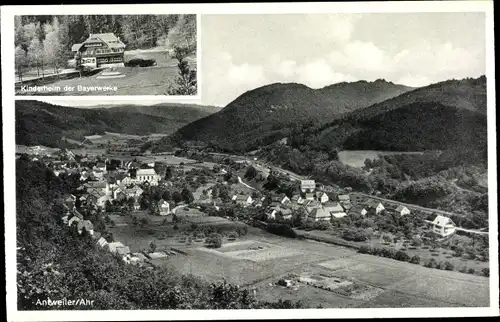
x,y
342,286
339,263
258,251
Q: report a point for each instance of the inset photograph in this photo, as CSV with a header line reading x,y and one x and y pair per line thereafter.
x,y
106,55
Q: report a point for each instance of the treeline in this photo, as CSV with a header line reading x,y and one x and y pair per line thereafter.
x,y
56,262
43,41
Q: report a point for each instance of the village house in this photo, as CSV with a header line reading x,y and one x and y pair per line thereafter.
x,y
87,225
319,214
134,192
309,196
100,167
402,210
335,209
147,175
344,199
376,206
242,200
163,207
307,185
102,242
358,210
119,248
443,226
322,197
137,205
280,199
279,213
100,50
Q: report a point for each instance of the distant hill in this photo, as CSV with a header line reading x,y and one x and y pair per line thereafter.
x,y
449,114
274,111
41,123
355,95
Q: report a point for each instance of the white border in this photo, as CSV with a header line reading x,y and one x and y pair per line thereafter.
x,y
7,14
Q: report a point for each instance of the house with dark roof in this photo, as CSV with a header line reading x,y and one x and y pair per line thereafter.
x,y
375,206
402,210
100,50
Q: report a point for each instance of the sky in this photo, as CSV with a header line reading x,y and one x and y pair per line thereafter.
x,y
242,52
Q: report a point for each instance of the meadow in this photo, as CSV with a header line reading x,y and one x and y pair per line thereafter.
x,y
356,158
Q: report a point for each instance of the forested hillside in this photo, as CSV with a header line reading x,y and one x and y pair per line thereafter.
x,y
54,261
40,123
272,112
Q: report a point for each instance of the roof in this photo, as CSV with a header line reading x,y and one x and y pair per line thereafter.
x,y
374,204
442,221
145,172
102,242
356,210
343,197
338,214
76,47
97,184
319,213
308,183
333,207
401,208
85,224
109,38
114,245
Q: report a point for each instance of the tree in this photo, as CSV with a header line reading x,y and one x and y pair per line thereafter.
x,y
186,82
166,195
214,240
177,197
53,50
36,55
250,173
152,247
168,173
187,195
387,239
21,62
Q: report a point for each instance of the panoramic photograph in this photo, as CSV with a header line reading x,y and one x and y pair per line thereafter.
x,y
105,55
346,168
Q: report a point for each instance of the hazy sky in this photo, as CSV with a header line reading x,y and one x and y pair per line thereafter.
x,y
241,52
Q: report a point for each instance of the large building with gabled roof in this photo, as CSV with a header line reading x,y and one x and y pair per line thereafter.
x,y
100,50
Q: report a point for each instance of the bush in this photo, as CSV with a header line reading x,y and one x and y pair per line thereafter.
x,y
415,259
448,266
281,229
402,256
471,271
354,235
364,250
431,263
322,225
214,240
486,272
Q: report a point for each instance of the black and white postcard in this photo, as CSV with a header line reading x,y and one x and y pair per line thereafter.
x,y
320,161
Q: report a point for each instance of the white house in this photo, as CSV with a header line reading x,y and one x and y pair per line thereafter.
x,y
322,197
102,242
164,207
89,227
307,185
402,210
242,200
377,206
443,226
149,175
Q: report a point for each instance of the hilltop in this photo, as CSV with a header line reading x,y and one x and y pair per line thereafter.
x,y
271,112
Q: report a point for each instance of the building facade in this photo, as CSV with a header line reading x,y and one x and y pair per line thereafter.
x,y
100,50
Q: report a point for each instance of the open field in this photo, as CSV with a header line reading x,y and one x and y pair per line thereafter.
x,y
356,158
137,81
385,282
